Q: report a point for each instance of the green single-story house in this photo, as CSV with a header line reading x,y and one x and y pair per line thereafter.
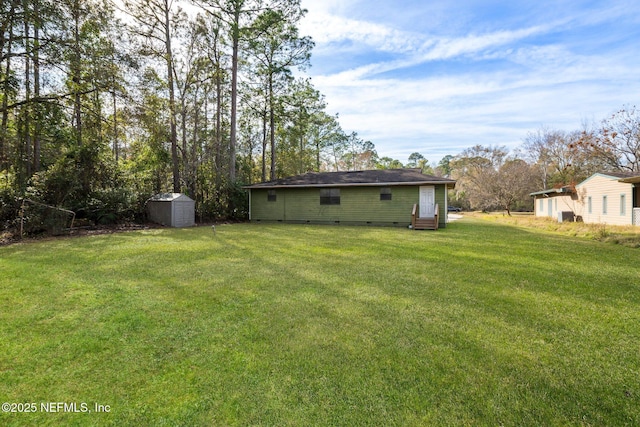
x,y
389,197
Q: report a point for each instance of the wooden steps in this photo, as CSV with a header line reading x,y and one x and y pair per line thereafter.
x,y
418,223
425,224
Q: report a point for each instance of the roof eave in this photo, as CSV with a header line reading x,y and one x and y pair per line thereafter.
x,y
350,184
631,180
552,191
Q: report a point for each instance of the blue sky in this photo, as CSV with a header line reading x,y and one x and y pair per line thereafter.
x,y
439,76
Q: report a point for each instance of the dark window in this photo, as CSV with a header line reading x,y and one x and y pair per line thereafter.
x,y
385,193
271,195
330,196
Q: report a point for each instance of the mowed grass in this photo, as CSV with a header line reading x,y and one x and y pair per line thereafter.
x,y
476,324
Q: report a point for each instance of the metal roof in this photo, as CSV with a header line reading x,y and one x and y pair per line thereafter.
x,y
379,178
169,197
566,189
631,180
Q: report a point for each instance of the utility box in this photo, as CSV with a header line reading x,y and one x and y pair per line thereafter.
x,y
172,209
566,216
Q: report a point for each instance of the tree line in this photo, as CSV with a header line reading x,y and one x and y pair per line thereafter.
x,y
103,104
495,178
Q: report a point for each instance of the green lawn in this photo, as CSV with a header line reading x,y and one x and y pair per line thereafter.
x,y
476,324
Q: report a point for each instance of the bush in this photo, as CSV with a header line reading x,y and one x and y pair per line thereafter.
x,y
9,209
238,207
110,206
9,201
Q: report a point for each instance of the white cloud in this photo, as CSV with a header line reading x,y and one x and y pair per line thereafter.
x,y
491,87
328,30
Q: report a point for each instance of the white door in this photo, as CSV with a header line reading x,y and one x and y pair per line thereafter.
x,y
427,201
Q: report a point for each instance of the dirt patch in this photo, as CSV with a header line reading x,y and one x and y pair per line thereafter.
x,y
8,238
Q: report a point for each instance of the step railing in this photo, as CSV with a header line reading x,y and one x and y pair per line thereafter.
x,y
413,216
415,219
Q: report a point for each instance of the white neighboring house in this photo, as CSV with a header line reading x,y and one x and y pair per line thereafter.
x,y
555,200
607,199
603,198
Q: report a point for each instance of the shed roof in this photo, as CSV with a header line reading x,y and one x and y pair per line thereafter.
x,y
170,197
379,178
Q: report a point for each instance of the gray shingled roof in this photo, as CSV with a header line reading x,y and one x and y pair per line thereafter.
x,y
382,177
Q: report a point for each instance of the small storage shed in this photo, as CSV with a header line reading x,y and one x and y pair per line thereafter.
x,y
172,209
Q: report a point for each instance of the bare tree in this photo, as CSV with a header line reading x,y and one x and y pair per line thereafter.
x,y
561,157
512,185
618,143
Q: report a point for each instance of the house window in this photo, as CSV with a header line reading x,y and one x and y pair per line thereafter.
x,y
623,207
541,207
604,205
589,205
271,195
330,196
385,193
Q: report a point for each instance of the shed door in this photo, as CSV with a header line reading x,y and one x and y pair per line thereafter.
x,y
182,214
427,201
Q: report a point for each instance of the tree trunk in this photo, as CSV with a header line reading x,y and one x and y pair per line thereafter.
x,y
116,150
218,125
75,75
264,146
27,91
36,85
234,94
183,131
5,98
172,101
193,161
272,126
302,154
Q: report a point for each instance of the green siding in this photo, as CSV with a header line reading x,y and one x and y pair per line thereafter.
x,y
358,205
264,210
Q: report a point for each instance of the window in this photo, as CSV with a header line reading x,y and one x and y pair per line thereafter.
x,y
604,205
385,193
541,207
271,195
589,205
330,196
623,207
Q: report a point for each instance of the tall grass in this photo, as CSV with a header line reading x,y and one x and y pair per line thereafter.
x,y
479,323
628,235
